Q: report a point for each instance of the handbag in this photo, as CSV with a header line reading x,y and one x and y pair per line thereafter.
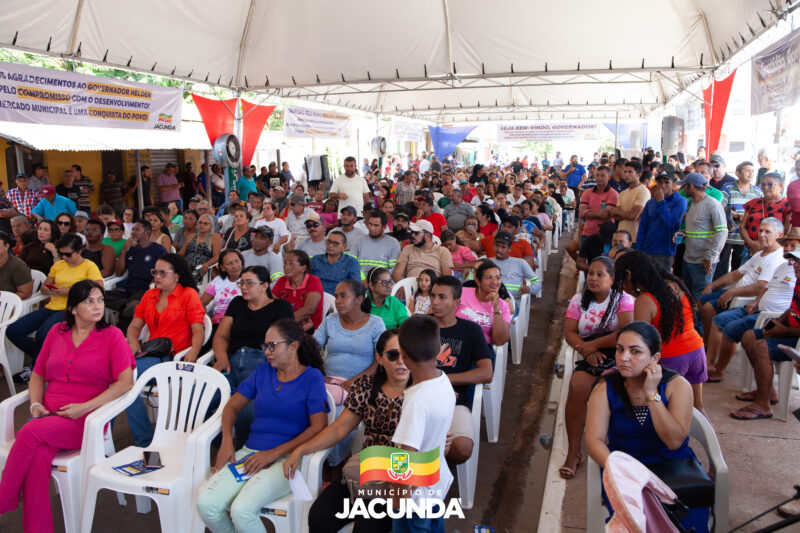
x,y
687,479
597,371
351,476
158,347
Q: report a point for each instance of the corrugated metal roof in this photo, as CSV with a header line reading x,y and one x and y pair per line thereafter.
x,y
78,138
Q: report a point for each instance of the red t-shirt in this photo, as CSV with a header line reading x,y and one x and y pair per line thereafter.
x,y
757,209
297,297
794,310
489,229
438,221
183,309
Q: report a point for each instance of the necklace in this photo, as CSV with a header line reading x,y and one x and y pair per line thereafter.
x,y
292,377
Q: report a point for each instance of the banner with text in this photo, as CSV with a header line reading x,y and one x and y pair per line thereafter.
x,y
548,132
776,76
46,96
303,122
409,131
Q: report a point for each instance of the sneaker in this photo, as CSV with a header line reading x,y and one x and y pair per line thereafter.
x,y
24,376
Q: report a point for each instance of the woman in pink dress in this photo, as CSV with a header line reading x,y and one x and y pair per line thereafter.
x,y
85,363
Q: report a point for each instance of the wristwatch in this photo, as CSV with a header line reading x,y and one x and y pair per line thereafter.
x,y
654,398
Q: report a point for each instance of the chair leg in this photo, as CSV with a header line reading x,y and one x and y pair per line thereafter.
x,y
70,491
467,478
9,379
89,503
143,504
785,373
491,411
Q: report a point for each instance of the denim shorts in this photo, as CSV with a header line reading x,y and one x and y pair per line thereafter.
x,y
735,322
712,299
775,353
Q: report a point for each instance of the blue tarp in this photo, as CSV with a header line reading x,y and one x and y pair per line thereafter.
x,y
446,138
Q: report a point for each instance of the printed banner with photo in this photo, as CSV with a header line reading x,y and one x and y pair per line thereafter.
x,y
776,76
45,96
409,131
303,122
543,131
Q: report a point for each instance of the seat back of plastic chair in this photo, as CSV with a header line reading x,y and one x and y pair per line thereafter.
x,y
207,326
409,286
185,391
10,307
38,281
328,303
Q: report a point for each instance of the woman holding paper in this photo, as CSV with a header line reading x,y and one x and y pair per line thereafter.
x,y
290,408
84,363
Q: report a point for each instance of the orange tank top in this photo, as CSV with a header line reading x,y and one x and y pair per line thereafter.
x,y
679,343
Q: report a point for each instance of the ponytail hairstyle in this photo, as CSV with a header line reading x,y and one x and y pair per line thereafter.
x,y
613,297
380,375
358,290
309,352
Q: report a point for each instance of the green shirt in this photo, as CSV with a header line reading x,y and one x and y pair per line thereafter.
x,y
392,312
117,245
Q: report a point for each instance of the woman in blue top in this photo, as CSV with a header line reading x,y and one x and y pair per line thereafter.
x,y
642,409
290,408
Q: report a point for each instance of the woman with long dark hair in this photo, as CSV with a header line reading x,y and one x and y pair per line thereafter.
x,y
100,361
486,220
590,327
41,254
374,400
663,300
289,389
158,228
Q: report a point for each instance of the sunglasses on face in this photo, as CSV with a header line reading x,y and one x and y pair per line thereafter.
x,y
64,223
312,224
392,355
64,255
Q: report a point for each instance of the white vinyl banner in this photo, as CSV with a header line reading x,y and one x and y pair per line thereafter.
x,y
303,122
776,76
409,131
537,131
46,96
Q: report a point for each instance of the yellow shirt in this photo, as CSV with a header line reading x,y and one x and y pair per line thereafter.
x,y
67,276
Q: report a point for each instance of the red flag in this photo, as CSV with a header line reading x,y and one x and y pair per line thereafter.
x,y
217,115
716,97
255,117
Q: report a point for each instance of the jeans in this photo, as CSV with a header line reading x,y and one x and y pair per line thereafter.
x,y
322,515
245,498
244,362
696,277
141,428
40,322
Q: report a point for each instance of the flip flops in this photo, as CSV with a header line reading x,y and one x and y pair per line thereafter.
x,y
748,397
757,415
567,472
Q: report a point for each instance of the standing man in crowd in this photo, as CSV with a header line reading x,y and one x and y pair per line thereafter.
x,y
86,186
22,198
39,178
574,174
734,196
189,188
350,189
706,231
67,187
631,201
661,218
147,182
168,186
719,177
595,201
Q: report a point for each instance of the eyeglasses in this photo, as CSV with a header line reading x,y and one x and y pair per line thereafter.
x,y
715,165
392,355
334,243
385,282
250,282
160,273
312,224
64,223
270,346
64,255
768,185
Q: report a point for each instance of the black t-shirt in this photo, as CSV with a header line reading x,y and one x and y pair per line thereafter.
x,y
271,181
73,193
593,246
559,199
249,327
467,347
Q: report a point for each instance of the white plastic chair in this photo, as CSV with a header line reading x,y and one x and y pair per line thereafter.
x,y
540,263
493,393
701,430
287,514
328,303
10,311
519,327
110,283
36,297
467,472
409,286
181,438
548,244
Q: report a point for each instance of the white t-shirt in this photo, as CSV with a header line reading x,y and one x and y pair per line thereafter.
x,y
354,188
424,422
277,225
760,268
780,289
424,166
223,290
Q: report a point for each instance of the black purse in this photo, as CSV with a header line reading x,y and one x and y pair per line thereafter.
x,y
158,347
688,480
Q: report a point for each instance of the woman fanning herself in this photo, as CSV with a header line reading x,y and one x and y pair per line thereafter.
x,y
664,301
590,328
642,409
290,406
101,365
376,402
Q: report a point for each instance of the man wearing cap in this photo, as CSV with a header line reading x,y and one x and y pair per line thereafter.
x,y
762,348
296,216
719,177
22,197
729,326
39,178
315,244
51,205
734,196
260,253
424,201
400,230
350,189
519,248
422,253
661,218
335,266
376,248
457,211
347,224
517,275
706,231
631,201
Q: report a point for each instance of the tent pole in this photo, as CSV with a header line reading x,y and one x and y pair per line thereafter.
x,y
139,192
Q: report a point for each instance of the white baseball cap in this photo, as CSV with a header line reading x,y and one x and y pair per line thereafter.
x,y
421,225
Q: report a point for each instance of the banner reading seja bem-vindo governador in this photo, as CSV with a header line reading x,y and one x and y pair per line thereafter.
x,y
45,96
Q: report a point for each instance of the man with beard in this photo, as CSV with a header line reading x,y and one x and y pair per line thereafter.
x,y
350,189
348,218
400,230
423,254
315,244
376,249
260,253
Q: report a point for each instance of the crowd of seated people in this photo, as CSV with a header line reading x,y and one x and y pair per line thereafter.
x,y
266,270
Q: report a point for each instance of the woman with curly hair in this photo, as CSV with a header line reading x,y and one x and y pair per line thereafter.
x,y
663,300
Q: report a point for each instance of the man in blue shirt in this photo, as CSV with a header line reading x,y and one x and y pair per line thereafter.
x,y
574,174
335,266
51,205
660,220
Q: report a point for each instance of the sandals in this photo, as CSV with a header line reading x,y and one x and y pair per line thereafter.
x,y
757,415
749,397
568,473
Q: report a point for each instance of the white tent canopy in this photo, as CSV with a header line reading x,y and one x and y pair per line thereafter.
x,y
439,60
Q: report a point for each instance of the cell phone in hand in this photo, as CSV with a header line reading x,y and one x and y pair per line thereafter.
x,y
51,286
769,325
